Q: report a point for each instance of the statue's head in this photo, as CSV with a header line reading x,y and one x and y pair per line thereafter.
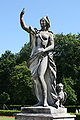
x,y
45,22
60,86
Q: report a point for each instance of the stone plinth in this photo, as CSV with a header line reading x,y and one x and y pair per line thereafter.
x,y
44,113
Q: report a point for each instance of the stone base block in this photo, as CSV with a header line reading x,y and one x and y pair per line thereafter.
x,y
43,110
44,113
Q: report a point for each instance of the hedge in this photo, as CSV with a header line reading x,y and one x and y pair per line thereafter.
x,y
77,115
72,109
9,112
14,107
17,107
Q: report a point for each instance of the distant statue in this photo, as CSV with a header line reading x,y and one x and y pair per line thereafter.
x,y
41,63
5,107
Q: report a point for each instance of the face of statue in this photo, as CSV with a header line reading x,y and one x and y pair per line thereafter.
x,y
43,23
60,87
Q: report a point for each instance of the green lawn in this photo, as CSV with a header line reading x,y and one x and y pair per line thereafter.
x,y
7,118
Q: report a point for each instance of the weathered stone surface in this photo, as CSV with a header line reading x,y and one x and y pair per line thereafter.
x,y
23,116
43,113
43,110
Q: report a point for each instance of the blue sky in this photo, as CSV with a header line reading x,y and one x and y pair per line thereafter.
x,y
64,16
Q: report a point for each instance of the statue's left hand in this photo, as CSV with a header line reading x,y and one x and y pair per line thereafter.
x,y
41,50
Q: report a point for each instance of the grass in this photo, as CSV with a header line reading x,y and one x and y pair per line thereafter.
x,y
7,118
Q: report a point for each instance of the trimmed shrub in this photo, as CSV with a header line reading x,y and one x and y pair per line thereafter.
x,y
77,115
17,107
72,109
8,112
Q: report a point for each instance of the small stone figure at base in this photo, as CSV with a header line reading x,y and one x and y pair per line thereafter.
x,y
61,96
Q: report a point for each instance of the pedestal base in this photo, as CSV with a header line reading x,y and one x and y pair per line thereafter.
x,y
44,113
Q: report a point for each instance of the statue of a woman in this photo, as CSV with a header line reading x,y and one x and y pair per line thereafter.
x,y
41,64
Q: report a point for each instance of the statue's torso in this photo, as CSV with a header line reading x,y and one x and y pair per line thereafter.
x,y
42,39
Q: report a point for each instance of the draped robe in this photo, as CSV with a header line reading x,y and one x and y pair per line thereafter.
x,y
37,41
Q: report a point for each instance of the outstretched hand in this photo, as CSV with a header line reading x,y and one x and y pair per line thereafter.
x,y
22,12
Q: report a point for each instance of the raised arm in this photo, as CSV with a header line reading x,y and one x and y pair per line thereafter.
x,y
27,29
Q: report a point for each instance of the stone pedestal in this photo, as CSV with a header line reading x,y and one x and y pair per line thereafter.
x,y
44,113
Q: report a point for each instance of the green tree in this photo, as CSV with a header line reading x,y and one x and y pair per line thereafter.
x,y
21,85
24,54
4,98
7,62
68,88
67,57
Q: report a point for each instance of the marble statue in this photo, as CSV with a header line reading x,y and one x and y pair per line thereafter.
x,y
41,63
43,73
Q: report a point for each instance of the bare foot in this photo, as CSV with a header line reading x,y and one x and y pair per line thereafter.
x,y
45,104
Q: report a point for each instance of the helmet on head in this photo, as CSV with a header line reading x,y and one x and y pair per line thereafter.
x,y
46,18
